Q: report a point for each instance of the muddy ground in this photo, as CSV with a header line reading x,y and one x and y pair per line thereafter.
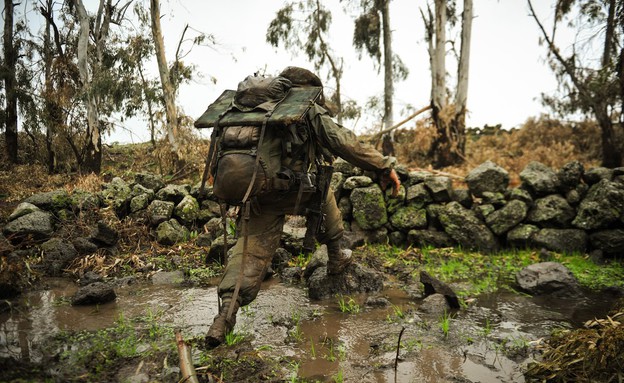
x,y
282,336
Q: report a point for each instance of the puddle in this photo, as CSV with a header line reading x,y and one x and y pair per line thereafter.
x,y
326,343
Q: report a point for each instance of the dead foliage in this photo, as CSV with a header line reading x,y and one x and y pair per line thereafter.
x,y
590,354
549,141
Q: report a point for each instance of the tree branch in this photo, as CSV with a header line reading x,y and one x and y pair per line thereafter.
x,y
379,134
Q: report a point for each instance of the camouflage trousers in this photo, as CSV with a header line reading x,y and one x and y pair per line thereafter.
x,y
264,232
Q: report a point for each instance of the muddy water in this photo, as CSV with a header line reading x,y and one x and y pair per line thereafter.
x,y
326,343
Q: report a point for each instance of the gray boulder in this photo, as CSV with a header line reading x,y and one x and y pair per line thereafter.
x,y
495,199
357,182
171,232
336,184
344,167
507,217
94,294
418,176
38,224
23,209
394,203
369,209
435,286
216,251
597,174
149,181
464,197
521,195
611,242
576,195
139,189
434,306
117,194
465,228
355,279
487,177
409,217
139,202
159,211
440,188
551,211
433,238
539,179
57,255
83,246
187,210
103,235
52,201
346,207
173,193
603,205
417,196
561,240
547,278
570,175
521,236
85,200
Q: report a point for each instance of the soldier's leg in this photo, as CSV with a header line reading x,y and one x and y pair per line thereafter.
x,y
263,235
331,234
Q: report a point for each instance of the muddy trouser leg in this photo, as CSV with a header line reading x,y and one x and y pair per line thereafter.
x,y
263,235
331,234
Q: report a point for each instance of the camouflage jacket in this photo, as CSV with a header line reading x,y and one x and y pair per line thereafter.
x,y
343,143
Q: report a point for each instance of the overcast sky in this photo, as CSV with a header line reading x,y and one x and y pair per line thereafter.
x,y
507,66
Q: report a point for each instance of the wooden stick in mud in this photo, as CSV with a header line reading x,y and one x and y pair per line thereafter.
x,y
186,362
396,359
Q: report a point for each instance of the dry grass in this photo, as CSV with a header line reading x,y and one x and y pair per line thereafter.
x,y
590,354
548,141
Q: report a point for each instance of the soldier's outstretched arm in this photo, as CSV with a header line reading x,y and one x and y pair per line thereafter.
x,y
343,143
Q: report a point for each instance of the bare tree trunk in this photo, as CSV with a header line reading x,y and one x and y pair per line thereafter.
x,y
461,96
606,56
10,61
93,150
165,80
388,146
438,69
47,58
150,111
440,147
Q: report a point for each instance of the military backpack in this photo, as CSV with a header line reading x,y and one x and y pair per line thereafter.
x,y
261,141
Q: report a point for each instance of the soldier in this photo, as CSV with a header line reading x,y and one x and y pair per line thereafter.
x,y
266,218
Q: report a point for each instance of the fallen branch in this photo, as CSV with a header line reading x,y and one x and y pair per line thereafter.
x,y
186,362
379,134
440,173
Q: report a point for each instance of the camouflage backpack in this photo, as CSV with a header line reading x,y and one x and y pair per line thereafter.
x,y
260,132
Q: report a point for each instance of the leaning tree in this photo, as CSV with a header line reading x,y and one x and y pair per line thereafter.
x,y
591,71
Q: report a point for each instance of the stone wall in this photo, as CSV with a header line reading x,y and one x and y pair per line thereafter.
x,y
566,210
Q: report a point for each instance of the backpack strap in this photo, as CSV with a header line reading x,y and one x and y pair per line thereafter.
x,y
245,231
212,152
257,163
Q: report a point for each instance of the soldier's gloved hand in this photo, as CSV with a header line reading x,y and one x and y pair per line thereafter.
x,y
389,176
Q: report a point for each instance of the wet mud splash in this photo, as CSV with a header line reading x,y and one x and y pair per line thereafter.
x,y
491,340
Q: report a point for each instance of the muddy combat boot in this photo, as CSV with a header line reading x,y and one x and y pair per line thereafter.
x,y
339,258
221,326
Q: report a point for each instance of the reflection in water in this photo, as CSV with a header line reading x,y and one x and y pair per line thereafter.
x,y
361,347
40,314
